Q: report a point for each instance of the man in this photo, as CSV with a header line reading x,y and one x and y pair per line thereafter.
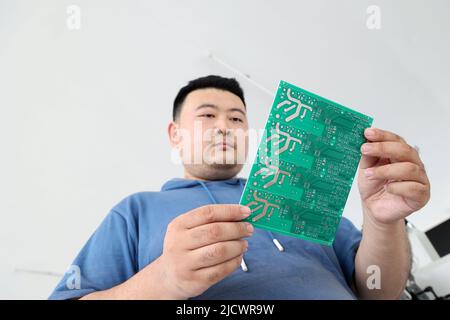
x,y
188,240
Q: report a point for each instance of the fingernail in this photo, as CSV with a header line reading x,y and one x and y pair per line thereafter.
x,y
245,211
366,148
368,173
250,228
370,133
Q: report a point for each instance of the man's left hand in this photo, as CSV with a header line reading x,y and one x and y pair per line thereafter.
x,y
392,179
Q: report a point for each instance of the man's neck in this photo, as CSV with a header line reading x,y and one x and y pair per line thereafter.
x,y
191,177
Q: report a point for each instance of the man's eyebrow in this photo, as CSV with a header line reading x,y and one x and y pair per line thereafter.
x,y
238,110
210,105
206,105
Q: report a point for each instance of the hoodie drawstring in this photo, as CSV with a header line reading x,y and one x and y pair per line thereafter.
x,y
274,240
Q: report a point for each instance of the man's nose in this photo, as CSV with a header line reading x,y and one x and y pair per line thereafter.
x,y
221,126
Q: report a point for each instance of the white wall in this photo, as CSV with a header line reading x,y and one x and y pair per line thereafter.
x,y
83,113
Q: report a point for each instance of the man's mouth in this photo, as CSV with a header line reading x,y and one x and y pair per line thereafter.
x,y
224,145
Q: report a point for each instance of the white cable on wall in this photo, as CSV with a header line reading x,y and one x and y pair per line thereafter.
x,y
240,73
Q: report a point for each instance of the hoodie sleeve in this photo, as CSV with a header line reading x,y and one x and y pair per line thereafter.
x,y
106,260
345,246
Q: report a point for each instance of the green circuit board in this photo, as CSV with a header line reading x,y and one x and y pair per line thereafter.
x,y
305,165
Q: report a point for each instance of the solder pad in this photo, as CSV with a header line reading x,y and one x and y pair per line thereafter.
x,y
305,165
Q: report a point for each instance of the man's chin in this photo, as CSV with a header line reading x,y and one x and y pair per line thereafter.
x,y
220,166
214,171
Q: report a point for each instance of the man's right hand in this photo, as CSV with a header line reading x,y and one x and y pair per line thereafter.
x,y
203,246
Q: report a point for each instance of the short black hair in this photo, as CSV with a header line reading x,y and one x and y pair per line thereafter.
x,y
211,81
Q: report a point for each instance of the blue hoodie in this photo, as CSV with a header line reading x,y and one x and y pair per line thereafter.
x,y
132,235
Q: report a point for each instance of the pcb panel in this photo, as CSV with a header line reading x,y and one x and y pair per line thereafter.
x,y
305,165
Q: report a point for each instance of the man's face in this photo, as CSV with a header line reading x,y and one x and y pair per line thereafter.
x,y
211,134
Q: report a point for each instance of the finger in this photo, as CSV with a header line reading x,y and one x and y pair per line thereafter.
x,y
214,274
417,193
217,253
217,232
395,151
378,135
399,171
213,213
367,161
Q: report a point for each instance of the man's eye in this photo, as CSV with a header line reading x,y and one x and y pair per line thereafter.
x,y
236,120
208,115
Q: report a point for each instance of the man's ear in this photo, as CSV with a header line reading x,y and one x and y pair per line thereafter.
x,y
174,135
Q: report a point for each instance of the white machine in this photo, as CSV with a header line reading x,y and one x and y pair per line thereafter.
x,y
430,274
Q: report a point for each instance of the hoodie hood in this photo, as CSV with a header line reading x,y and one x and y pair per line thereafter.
x,y
180,183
